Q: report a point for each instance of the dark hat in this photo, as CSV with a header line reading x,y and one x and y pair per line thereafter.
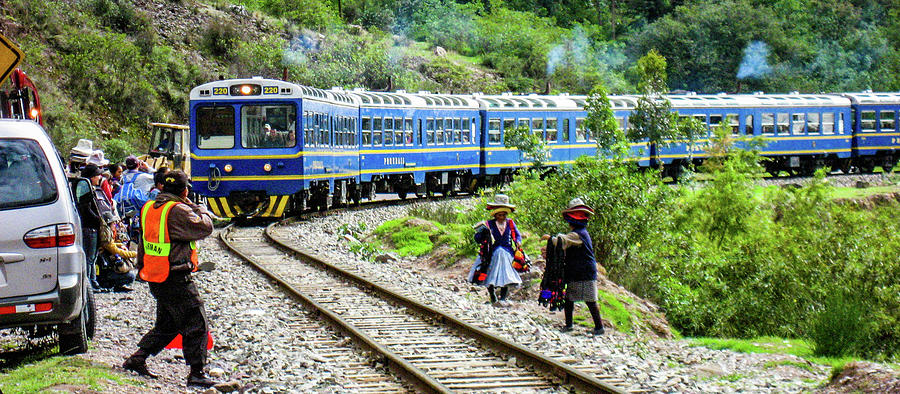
x,y
90,171
132,162
176,181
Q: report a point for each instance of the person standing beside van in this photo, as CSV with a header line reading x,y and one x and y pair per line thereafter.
x,y
90,221
170,228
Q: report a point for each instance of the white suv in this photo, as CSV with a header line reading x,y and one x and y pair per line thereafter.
x,y
43,283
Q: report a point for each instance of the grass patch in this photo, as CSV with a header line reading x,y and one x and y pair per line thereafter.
x,y
852,192
410,237
733,377
611,309
796,364
772,345
424,49
59,370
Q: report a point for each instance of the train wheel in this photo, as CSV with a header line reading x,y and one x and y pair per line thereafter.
x,y
456,186
844,166
401,194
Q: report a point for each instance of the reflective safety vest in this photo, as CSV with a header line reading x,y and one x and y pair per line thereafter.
x,y
157,246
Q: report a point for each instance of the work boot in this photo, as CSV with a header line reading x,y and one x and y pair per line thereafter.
x,y
138,365
566,329
198,378
598,331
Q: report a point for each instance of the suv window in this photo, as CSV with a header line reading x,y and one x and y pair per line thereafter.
x,y
25,175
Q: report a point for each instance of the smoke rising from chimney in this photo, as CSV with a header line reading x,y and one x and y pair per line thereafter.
x,y
755,64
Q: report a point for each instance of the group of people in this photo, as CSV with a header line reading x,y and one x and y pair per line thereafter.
x,y
168,228
578,261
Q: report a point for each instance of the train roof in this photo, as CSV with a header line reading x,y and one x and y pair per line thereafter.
x,y
269,88
418,100
518,102
873,98
756,100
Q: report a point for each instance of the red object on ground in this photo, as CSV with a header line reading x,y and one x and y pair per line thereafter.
x,y
176,343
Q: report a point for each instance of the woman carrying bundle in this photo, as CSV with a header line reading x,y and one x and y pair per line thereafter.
x,y
500,236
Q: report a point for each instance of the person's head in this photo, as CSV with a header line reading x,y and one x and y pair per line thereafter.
x,y
116,170
500,208
132,163
160,176
577,213
177,183
91,172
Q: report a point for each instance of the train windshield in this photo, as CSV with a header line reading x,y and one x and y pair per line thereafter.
x,y
268,126
215,127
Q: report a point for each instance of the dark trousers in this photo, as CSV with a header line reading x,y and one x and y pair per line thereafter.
x,y
179,315
89,243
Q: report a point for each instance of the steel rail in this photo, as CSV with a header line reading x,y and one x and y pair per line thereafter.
x,y
420,379
580,380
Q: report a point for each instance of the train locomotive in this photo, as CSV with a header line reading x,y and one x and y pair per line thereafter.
x,y
269,148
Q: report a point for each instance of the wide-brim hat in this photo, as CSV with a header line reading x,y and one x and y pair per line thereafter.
x,y
84,148
96,158
578,207
500,201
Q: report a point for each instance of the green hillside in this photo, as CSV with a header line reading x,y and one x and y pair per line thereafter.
x,y
107,67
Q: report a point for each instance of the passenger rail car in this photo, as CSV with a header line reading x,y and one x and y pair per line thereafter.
x,y
804,132
267,148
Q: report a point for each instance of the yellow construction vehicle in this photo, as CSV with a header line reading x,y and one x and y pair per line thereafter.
x,y
169,147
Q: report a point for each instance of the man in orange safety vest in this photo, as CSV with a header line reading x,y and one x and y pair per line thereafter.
x,y
171,226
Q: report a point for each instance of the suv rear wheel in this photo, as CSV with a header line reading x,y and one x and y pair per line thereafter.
x,y
74,336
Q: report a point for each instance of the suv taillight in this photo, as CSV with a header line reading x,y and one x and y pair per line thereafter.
x,y
56,235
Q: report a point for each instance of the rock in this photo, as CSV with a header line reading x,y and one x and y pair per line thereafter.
x,y
228,387
709,370
211,390
350,239
440,52
862,184
216,372
387,258
356,30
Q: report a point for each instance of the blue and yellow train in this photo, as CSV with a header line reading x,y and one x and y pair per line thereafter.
x,y
267,148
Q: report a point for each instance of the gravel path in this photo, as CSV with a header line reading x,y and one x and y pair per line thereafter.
x,y
645,364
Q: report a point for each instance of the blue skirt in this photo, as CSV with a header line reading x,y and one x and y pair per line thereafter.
x,y
501,272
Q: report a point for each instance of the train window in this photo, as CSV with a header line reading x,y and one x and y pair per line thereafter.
x,y
828,123
867,123
439,133
467,131
715,121
366,131
408,128
551,130
768,124
268,126
353,138
388,131
887,120
798,123
376,132
840,125
621,121
580,131
508,125
493,131
537,127
748,125
326,130
702,120
420,136
784,123
429,131
307,126
215,127
734,121
457,131
812,123
525,123
398,131
565,130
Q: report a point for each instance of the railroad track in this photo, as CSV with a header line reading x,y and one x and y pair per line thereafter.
x,y
431,350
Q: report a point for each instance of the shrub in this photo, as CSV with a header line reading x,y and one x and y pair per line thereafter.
x,y
839,329
220,39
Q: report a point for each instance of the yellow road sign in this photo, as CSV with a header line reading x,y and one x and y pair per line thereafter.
x,y
10,56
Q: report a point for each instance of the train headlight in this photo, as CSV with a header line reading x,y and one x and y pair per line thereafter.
x,y
245,90
228,168
34,113
267,167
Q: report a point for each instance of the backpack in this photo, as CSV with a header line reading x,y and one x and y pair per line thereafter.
x,y
130,198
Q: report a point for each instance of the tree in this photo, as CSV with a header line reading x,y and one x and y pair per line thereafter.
x,y
531,146
652,118
611,139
